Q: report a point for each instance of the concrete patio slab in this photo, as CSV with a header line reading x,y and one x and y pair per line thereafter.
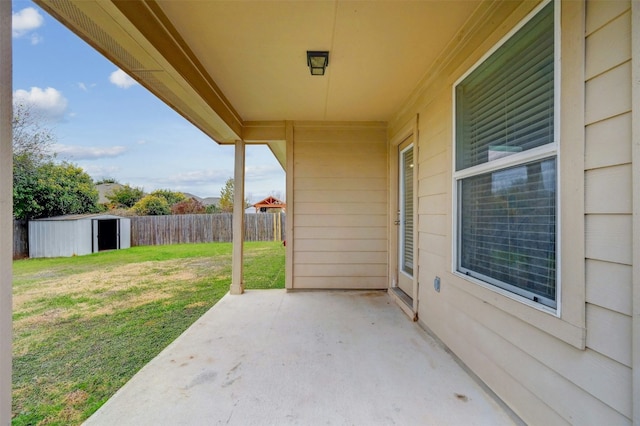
x,y
303,358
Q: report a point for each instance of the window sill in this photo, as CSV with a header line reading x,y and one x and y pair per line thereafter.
x,y
506,293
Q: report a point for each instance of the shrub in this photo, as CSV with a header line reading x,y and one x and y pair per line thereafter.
x,y
171,196
188,206
212,208
152,205
127,196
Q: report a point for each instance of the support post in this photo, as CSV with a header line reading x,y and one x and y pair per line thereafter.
x,y
6,211
288,234
237,283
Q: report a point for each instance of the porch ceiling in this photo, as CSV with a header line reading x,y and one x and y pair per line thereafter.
x,y
256,52
232,65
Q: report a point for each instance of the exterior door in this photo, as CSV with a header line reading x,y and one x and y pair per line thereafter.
x,y
406,181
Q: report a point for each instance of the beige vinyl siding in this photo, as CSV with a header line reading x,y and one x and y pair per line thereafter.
x,y
340,204
541,376
608,205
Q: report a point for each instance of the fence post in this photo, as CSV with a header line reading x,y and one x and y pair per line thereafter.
x,y
20,239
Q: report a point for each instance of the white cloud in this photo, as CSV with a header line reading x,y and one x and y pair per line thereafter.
x,y
76,152
35,38
25,21
98,172
198,177
209,182
263,172
121,79
49,102
85,87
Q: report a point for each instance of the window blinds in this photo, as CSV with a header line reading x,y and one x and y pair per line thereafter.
x,y
508,229
506,225
507,103
407,211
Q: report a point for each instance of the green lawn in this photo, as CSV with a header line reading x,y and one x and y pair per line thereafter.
x,y
84,325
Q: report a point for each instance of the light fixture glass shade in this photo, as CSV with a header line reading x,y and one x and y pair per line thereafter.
x,y
317,61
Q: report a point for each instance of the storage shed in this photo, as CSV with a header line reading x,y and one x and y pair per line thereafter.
x,y
76,235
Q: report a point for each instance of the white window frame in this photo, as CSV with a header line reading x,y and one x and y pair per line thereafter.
x,y
548,151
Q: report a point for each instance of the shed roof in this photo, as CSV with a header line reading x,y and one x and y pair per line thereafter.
x,y
82,216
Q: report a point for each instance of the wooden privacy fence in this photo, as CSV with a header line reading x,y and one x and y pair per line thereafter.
x,y
20,239
204,228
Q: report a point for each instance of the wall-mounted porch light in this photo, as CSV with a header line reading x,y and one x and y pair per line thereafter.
x,y
317,61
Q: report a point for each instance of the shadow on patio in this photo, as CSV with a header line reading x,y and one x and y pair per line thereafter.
x,y
271,357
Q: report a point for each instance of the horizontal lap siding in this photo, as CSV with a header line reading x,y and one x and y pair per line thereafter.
x,y
340,205
608,206
544,379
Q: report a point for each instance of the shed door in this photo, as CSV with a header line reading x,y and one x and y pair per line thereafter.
x,y
108,234
94,235
105,234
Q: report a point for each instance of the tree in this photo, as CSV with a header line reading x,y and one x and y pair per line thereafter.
x,y
172,197
226,197
52,189
152,205
106,180
42,188
32,141
31,148
126,196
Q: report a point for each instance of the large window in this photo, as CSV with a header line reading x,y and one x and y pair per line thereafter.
x,y
506,166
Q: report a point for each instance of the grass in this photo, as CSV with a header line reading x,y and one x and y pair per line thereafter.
x,y
84,325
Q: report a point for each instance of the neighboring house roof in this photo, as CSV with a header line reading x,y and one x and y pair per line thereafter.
x,y
209,201
195,197
106,189
270,203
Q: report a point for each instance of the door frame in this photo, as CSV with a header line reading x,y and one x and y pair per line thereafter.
x,y
407,133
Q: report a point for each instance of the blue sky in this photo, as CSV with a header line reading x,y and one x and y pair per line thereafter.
x,y
113,127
